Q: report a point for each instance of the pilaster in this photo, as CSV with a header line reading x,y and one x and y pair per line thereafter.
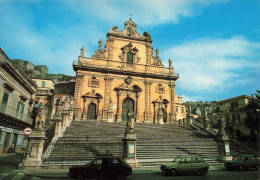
x,y
78,85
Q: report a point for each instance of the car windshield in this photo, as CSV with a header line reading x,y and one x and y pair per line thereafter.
x,y
178,159
238,158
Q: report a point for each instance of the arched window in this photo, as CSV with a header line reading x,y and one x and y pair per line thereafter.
x,y
129,57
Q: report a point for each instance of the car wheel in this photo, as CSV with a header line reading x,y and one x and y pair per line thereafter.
x,y
203,172
79,177
241,168
120,177
173,172
256,167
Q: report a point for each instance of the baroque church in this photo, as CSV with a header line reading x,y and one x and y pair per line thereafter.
x,y
125,77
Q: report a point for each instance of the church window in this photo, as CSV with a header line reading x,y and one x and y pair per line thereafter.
x,y
19,110
129,58
43,83
5,98
93,82
160,89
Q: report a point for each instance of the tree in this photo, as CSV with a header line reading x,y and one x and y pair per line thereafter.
x,y
253,117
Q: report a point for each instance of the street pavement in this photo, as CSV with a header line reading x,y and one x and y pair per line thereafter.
x,y
9,171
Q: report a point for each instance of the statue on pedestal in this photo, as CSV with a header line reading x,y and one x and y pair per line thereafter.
x,y
130,123
82,51
59,107
41,115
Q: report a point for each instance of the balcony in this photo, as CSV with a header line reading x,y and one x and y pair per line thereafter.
x,y
117,67
9,111
44,93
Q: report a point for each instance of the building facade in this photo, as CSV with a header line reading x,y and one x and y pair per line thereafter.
x,y
236,114
125,77
17,93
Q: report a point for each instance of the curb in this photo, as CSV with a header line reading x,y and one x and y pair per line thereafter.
x,y
62,173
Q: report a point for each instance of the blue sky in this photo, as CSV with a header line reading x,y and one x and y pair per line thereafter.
x,y
214,44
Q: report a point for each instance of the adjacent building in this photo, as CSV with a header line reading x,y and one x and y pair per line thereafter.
x,y
237,114
124,77
17,93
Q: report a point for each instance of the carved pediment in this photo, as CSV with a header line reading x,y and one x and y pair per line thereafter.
x,y
130,32
128,87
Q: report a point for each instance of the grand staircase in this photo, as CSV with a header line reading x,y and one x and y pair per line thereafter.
x,y
83,141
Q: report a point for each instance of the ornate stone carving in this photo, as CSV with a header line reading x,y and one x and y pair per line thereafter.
x,y
82,51
100,53
157,60
129,48
128,80
79,78
41,115
130,123
170,63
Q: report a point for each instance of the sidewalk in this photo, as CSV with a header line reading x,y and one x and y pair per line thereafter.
x,y
62,173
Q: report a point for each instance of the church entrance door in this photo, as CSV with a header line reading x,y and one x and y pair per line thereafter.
x,y
128,106
91,111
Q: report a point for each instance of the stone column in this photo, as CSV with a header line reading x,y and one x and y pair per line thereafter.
x,y
33,159
137,107
172,102
107,96
77,96
119,105
2,140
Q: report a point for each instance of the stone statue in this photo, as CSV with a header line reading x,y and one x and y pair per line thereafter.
x,y
100,45
222,124
198,111
110,105
71,101
59,107
130,123
66,103
170,63
189,110
41,115
205,112
157,53
82,51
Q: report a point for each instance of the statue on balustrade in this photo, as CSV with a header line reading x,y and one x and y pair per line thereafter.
x,y
41,115
66,104
59,107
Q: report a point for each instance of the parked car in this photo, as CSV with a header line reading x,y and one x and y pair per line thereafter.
x,y
242,162
187,164
102,167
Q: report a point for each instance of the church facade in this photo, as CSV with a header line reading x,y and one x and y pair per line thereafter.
x,y
125,77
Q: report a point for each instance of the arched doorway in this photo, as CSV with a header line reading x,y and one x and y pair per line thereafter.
x,y
128,106
91,111
164,115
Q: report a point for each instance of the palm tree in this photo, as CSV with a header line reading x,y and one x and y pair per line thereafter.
x,y
253,117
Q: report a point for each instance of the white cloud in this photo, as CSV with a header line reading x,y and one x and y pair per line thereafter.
x,y
214,65
145,12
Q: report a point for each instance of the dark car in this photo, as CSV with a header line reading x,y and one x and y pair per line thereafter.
x,y
242,162
102,167
187,164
